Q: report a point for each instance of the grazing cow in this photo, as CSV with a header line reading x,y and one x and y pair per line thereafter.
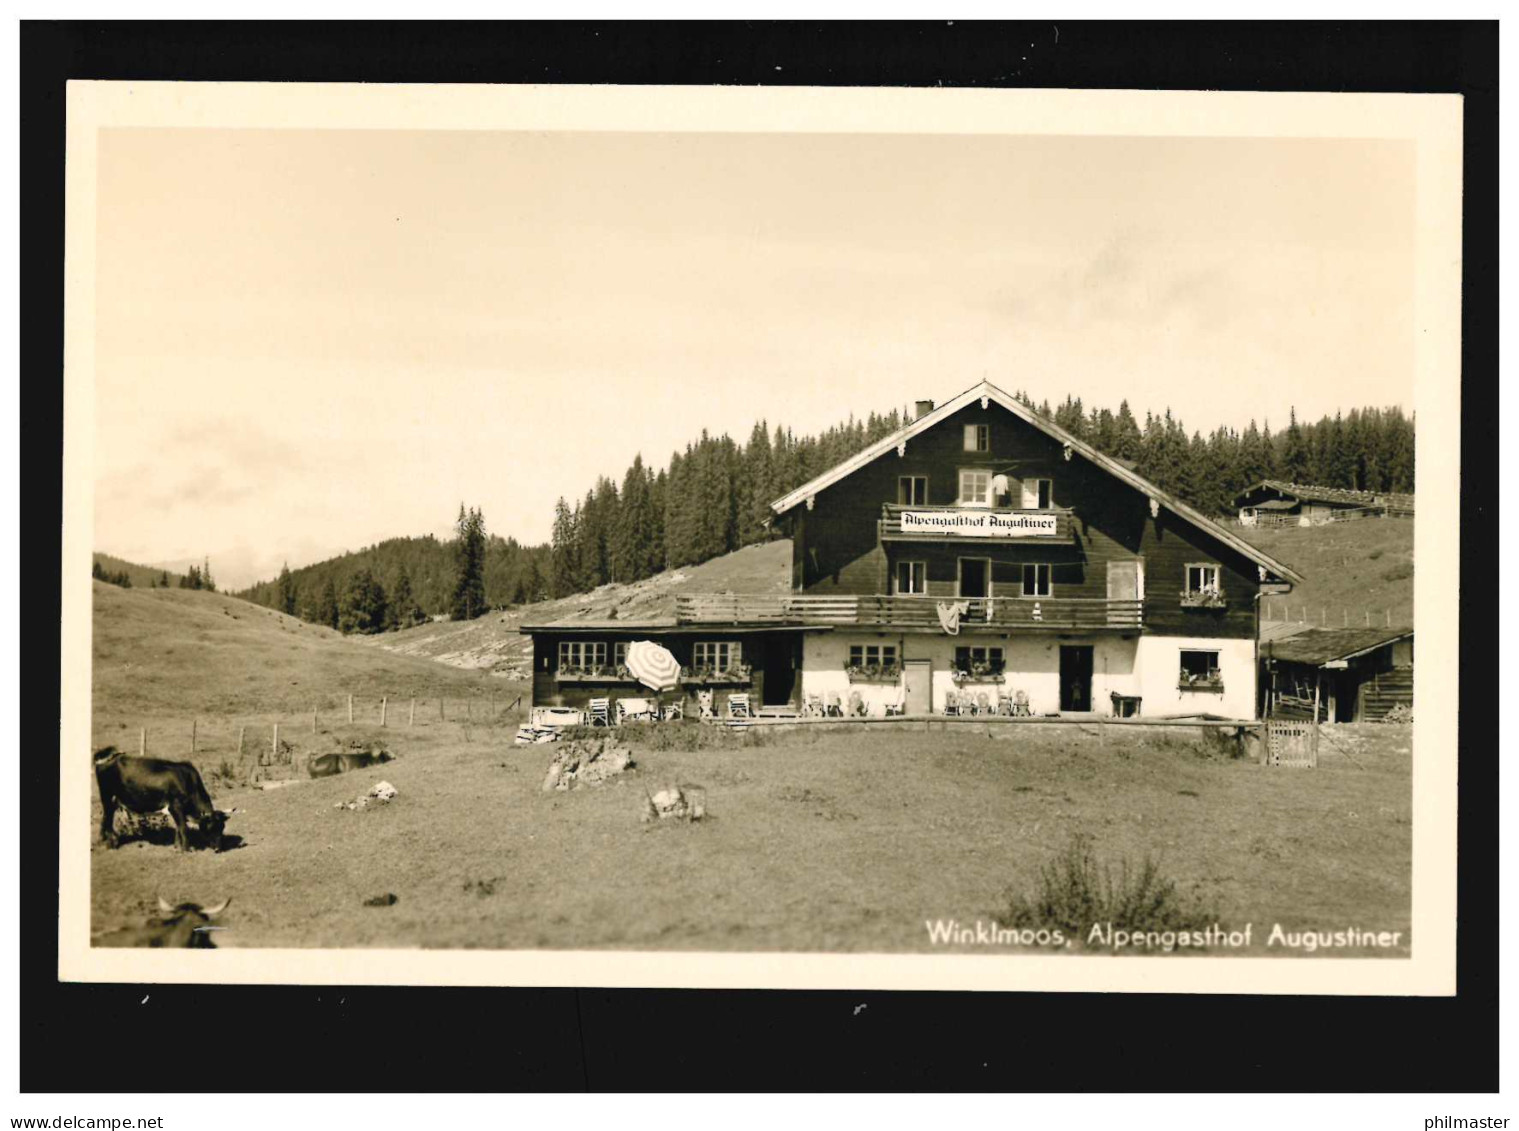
x,y
150,785
188,925
326,765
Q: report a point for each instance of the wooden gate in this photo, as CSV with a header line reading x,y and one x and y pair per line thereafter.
x,y
1292,742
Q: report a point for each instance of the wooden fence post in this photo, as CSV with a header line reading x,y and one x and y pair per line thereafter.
x,y
382,709
1368,618
192,737
313,720
275,746
1389,618
142,743
350,710
411,719
240,732
469,707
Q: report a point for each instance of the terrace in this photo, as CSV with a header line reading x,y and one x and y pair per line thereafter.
x,y
911,613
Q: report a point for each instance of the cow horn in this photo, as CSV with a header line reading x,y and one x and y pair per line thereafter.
x,y
213,912
164,905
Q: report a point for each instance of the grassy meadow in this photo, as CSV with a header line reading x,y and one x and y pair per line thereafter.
x,y
814,840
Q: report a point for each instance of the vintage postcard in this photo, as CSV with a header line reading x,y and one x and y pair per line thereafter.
x,y
723,537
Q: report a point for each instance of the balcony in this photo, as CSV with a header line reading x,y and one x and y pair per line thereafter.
x,y
982,525
1056,614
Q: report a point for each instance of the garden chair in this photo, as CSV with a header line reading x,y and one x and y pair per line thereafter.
x,y
951,702
1004,702
899,705
835,706
704,705
738,706
856,705
1020,703
600,712
983,704
673,711
812,706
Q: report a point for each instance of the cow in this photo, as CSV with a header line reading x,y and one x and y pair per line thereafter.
x,y
326,765
150,785
188,925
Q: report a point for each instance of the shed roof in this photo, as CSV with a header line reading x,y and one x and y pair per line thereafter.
x,y
1321,645
1307,492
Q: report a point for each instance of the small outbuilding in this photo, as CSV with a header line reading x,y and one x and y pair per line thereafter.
x,y
1342,674
1275,502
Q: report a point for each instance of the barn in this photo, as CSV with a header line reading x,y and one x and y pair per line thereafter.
x,y
1343,674
1276,502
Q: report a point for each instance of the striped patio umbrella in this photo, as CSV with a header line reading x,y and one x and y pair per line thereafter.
x,y
653,666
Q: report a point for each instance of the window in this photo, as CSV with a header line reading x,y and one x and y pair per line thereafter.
x,y
977,437
979,661
872,655
1202,578
620,653
1198,667
1036,579
580,655
1038,494
912,577
976,487
912,490
719,655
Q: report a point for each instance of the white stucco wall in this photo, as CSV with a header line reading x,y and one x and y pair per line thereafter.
x,y
1033,666
1149,667
1159,664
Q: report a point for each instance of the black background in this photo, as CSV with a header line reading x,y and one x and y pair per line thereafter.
x,y
101,1038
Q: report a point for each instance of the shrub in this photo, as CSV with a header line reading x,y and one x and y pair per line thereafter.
x,y
1075,890
1399,572
1374,555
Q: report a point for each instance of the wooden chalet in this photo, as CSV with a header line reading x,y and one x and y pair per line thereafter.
x,y
1275,502
979,550
1341,675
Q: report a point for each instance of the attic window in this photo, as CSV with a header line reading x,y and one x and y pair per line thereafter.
x,y
978,437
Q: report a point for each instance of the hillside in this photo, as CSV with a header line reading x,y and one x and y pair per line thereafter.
x,y
141,575
180,652
492,643
1352,569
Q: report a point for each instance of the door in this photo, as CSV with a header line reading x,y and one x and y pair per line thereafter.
x,y
917,676
1075,677
975,577
1126,584
780,657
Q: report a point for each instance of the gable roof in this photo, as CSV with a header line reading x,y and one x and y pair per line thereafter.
x,y
1308,493
1112,466
1321,645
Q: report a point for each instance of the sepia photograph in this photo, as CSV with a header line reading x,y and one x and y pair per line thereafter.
x,y
543,536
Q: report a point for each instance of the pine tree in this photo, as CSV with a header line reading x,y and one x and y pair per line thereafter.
x,y
285,588
163,580
402,607
564,576
1127,438
1295,460
206,580
363,605
468,600
629,549
327,605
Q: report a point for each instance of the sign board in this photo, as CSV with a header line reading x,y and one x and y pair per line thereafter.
x,y
981,524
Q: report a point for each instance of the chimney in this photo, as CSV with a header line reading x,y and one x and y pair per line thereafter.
x,y
924,408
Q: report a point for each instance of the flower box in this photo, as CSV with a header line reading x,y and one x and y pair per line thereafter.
x,y
1204,599
1214,684
978,677
707,677
873,673
600,673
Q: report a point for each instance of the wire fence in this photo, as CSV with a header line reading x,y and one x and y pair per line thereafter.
x,y
259,745
1280,614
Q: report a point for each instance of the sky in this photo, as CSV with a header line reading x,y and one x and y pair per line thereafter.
x,y
309,341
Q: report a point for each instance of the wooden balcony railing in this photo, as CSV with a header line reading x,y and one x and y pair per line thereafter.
x,y
890,525
1063,613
